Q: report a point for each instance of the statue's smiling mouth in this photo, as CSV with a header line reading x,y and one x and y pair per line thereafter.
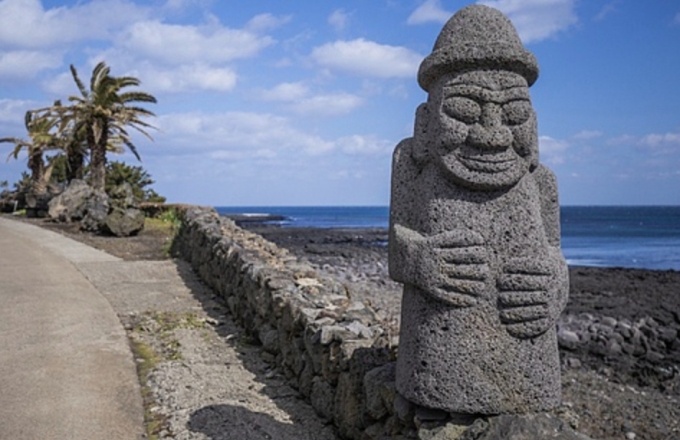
x,y
488,163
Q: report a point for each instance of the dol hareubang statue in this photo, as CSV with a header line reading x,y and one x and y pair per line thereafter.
x,y
474,230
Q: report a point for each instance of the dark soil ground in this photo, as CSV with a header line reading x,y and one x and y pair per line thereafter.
x,y
152,243
607,396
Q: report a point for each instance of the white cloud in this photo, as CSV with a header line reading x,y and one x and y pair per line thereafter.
x,y
27,63
61,85
26,24
661,142
368,58
265,22
179,4
285,92
624,139
178,44
606,10
552,149
192,77
537,20
266,153
236,131
327,105
587,134
677,18
245,136
12,111
297,95
365,145
654,143
338,19
429,11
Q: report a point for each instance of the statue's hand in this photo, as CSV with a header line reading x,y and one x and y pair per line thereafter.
x,y
453,267
525,296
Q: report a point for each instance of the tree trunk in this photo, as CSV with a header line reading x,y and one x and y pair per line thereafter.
x,y
37,166
75,161
98,159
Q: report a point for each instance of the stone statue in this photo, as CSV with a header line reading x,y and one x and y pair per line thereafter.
x,y
474,230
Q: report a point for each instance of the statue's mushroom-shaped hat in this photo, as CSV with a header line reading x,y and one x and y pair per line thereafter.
x,y
477,37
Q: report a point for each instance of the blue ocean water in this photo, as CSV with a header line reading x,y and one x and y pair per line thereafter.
x,y
319,216
644,237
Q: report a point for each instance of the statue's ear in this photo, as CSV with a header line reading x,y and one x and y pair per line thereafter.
x,y
421,152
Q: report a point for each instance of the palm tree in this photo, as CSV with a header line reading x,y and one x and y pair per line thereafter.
x,y
72,143
103,112
41,140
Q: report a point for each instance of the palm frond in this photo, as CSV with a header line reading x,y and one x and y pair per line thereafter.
x,y
127,81
137,96
132,148
134,110
19,144
79,83
100,75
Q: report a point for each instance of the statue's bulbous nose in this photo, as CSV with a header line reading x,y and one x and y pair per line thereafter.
x,y
489,132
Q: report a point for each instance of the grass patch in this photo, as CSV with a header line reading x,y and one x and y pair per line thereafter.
x,y
163,325
147,360
158,225
168,224
170,321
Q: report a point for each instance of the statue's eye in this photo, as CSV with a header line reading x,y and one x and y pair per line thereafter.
x,y
516,112
463,109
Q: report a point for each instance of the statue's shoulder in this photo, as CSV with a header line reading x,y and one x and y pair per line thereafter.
x,y
404,167
403,159
545,178
403,152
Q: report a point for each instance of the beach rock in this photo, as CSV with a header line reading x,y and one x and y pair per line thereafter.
x,y
568,338
124,223
37,205
7,199
474,233
380,391
71,204
96,209
124,217
122,197
511,427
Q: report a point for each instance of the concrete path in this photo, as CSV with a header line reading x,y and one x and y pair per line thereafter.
x,y
66,370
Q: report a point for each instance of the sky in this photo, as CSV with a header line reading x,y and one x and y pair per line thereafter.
x,y
276,103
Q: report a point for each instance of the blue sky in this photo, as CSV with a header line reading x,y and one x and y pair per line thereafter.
x,y
301,103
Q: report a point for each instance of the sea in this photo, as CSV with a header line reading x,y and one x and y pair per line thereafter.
x,y
643,237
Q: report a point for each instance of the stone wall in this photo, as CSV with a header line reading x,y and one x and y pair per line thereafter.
x,y
332,350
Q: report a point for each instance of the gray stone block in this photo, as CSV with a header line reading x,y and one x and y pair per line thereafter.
x,y
379,389
474,230
124,223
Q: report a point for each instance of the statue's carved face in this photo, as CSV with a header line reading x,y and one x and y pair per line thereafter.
x,y
483,128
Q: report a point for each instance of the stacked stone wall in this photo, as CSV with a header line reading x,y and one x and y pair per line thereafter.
x,y
332,350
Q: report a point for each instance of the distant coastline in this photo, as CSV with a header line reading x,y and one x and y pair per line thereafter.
x,y
638,237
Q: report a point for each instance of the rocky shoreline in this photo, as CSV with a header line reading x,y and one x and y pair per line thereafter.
x,y
621,327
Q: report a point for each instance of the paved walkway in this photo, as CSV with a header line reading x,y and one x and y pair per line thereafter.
x,y
66,370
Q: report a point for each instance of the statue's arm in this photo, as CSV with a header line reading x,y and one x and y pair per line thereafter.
x,y
550,212
402,239
550,207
